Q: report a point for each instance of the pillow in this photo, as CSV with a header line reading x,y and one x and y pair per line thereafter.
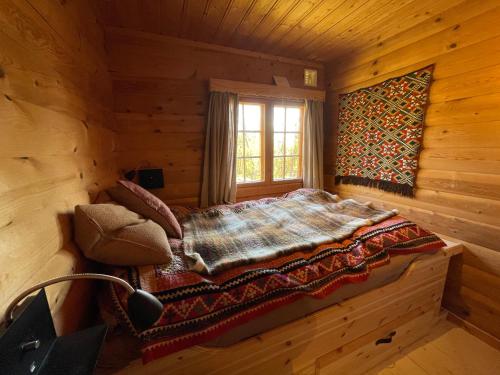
x,y
139,200
111,234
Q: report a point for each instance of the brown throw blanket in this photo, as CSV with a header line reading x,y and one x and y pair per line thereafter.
x,y
219,239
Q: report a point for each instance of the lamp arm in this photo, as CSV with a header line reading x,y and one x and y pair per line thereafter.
x,y
9,313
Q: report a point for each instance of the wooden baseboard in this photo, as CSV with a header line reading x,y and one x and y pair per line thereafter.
x,y
474,330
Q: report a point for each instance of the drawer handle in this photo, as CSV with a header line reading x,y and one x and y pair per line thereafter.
x,y
387,339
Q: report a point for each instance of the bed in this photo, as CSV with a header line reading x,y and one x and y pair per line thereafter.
x,y
289,306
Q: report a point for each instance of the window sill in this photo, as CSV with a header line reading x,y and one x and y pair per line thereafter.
x,y
251,184
287,181
273,182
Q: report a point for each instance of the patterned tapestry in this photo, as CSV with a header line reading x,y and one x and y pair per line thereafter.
x,y
380,132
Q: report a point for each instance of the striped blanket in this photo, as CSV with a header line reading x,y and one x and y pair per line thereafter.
x,y
224,237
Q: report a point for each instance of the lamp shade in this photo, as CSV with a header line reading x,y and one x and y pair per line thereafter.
x,y
144,309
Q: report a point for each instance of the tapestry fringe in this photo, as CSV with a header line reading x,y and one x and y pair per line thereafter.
x,y
401,189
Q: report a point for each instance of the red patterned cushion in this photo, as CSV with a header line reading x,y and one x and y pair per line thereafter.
x,y
139,200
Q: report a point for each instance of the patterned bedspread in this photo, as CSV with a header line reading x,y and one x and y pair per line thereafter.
x,y
221,238
199,307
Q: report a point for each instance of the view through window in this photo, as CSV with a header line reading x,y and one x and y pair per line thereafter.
x,y
287,127
281,156
249,165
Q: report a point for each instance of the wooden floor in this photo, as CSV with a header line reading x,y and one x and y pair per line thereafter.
x,y
448,350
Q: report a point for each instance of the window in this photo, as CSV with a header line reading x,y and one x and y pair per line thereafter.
x,y
250,161
287,129
269,142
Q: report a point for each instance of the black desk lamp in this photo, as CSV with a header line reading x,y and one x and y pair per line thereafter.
x,y
30,345
143,308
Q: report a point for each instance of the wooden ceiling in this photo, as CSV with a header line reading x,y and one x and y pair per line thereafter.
x,y
308,29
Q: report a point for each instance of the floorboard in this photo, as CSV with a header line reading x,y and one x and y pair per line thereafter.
x,y
449,350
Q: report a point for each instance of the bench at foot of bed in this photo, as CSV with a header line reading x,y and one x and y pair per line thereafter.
x,y
347,338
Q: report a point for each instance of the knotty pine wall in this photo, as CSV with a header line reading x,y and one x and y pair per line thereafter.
x,y
458,184
56,145
161,97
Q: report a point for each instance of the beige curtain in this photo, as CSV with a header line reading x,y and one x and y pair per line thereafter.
x,y
312,152
219,166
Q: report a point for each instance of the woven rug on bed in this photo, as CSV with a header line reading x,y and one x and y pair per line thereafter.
x,y
380,132
218,239
198,308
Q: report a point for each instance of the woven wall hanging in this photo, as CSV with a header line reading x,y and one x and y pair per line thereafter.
x,y
380,133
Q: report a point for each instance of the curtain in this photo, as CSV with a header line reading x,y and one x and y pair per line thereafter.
x,y
219,166
312,152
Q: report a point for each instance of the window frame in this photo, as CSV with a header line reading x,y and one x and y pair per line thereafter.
x,y
267,142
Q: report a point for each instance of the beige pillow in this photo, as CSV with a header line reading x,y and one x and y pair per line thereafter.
x,y
111,234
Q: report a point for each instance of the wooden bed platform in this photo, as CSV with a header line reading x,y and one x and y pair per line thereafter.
x,y
348,338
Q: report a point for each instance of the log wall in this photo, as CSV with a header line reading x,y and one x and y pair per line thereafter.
x,y
56,144
458,184
161,97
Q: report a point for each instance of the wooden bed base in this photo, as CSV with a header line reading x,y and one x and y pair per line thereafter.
x,y
347,338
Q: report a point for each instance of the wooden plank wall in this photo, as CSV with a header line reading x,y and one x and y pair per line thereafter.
x,y
161,95
458,184
56,146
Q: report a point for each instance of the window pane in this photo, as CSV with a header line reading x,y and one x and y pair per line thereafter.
x,y
292,167
239,148
279,119
278,172
252,144
249,151
240,173
279,144
252,117
292,143
252,170
292,119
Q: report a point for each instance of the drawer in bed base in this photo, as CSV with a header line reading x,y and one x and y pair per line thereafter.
x,y
366,352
